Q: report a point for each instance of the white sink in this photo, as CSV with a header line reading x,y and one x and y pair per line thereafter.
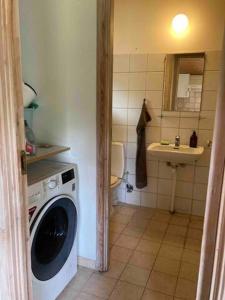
x,y
184,154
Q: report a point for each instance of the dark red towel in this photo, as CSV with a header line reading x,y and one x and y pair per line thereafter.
x,y
141,168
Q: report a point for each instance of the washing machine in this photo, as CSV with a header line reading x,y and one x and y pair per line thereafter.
x,y
53,216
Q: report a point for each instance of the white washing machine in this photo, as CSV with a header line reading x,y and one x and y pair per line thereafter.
x,y
53,213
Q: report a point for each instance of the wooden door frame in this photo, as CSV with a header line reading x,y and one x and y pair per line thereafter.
x,y
15,268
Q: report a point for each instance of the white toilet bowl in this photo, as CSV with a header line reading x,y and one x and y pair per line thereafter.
x,y
117,167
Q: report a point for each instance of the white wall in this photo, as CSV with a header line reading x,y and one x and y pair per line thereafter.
x,y
144,26
59,60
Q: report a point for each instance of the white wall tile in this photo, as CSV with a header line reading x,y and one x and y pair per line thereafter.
x,y
152,185
211,80
200,191
131,165
133,116
131,150
148,199
205,158
169,134
121,63
156,62
154,81
206,120
164,186
152,168
121,195
204,136
185,135
201,174
131,134
198,208
152,134
164,170
120,99
133,198
189,114
163,202
184,189
137,81
183,205
186,173
209,99
120,81
154,99
170,122
155,115
119,116
119,133
138,62
189,123
213,60
171,114
136,99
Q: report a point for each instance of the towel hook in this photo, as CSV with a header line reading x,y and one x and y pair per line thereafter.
x,y
144,101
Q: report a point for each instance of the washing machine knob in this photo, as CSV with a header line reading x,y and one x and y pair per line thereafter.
x,y
52,184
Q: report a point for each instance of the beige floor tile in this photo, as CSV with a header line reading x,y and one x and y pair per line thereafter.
x,y
68,294
177,230
153,235
135,275
116,227
99,286
145,213
120,218
195,234
85,296
171,252
113,236
190,256
133,231
157,226
162,282
193,245
125,210
180,220
126,291
197,224
185,289
168,266
115,269
138,222
120,254
127,241
151,295
189,271
148,247
173,240
142,260
161,217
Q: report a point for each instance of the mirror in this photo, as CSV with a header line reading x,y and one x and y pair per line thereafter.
x,y
183,80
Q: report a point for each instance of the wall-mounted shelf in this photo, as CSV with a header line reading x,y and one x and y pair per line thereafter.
x,y
43,153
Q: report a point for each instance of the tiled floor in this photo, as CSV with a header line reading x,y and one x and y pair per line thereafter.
x,y
153,256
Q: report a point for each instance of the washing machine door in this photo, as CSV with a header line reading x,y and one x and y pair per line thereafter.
x,y
53,233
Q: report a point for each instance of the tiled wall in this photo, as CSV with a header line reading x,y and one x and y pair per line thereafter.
x,y
141,76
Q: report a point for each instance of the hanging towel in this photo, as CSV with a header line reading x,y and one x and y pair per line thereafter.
x,y
141,168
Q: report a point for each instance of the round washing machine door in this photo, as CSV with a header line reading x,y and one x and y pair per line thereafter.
x,y
53,233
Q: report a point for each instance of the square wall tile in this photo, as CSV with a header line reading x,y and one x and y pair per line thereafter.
x,y
131,150
155,115
169,134
185,135
156,62
164,170
198,208
152,168
133,198
120,99
133,116
183,205
152,134
170,122
213,60
154,99
119,116
121,63
209,99
138,62
186,173
184,189
119,133
148,199
189,123
120,81
131,134
204,135
207,120
136,99
131,165
137,81
164,186
154,81
152,185
205,158
201,174
200,191
211,81
163,201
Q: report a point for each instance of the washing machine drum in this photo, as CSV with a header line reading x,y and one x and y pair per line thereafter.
x,y
53,234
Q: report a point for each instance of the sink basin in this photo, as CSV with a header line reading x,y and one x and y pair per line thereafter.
x,y
184,154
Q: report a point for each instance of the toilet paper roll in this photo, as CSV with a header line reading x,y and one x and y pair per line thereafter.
x,y
28,94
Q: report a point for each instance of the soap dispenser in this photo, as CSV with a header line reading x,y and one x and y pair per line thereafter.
x,y
193,140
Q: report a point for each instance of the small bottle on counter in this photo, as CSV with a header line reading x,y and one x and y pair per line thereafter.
x,y
193,140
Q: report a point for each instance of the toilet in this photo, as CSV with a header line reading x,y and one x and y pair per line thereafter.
x,y
117,168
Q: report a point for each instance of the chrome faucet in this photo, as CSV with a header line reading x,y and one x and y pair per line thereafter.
x,y
177,141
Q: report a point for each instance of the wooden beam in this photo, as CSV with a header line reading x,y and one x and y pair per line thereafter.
x,y
104,112
14,233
